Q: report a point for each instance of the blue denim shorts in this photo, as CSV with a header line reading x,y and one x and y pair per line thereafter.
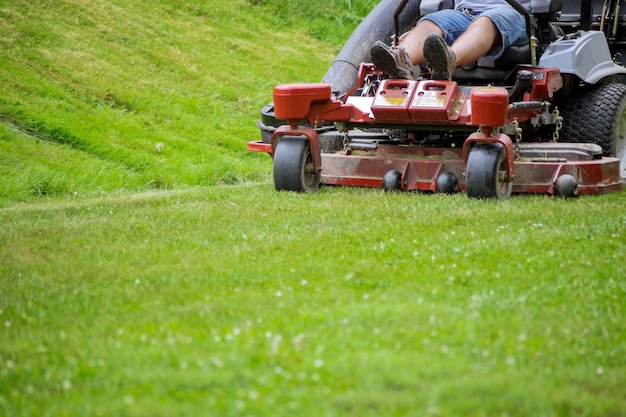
x,y
510,23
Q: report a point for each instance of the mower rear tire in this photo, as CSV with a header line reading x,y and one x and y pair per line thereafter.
x,y
598,115
293,166
486,172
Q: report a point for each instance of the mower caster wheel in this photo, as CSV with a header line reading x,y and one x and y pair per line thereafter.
x,y
447,183
566,186
392,181
293,166
486,172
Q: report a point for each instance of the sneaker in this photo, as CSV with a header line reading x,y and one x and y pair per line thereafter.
x,y
392,61
441,59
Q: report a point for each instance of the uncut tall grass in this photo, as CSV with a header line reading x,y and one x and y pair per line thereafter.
x,y
102,96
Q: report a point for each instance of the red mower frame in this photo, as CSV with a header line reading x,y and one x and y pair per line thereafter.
x,y
491,163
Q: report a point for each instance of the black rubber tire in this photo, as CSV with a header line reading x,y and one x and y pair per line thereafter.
x,y
485,173
598,115
293,166
447,183
392,181
566,186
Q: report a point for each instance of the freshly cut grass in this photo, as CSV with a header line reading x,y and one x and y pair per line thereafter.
x,y
238,300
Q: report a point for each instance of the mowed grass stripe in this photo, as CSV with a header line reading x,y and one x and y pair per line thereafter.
x,y
242,301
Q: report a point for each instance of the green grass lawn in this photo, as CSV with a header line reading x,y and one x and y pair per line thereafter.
x,y
147,266
237,300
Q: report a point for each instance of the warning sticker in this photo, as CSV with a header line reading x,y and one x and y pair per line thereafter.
x,y
429,99
382,100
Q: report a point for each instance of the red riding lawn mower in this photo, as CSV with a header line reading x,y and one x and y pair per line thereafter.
x,y
546,118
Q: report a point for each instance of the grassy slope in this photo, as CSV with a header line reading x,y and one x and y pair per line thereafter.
x,y
106,95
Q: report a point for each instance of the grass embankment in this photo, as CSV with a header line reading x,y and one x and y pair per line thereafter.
x,y
103,96
233,301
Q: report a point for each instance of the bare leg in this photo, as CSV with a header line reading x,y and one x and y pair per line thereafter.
x,y
413,42
479,37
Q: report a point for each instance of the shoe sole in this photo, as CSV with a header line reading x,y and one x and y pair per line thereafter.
x,y
386,62
436,54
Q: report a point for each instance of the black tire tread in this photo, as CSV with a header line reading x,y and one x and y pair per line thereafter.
x,y
482,172
592,116
289,158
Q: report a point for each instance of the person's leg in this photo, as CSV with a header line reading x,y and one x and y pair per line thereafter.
x,y
413,42
431,38
511,29
488,34
477,40
399,62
